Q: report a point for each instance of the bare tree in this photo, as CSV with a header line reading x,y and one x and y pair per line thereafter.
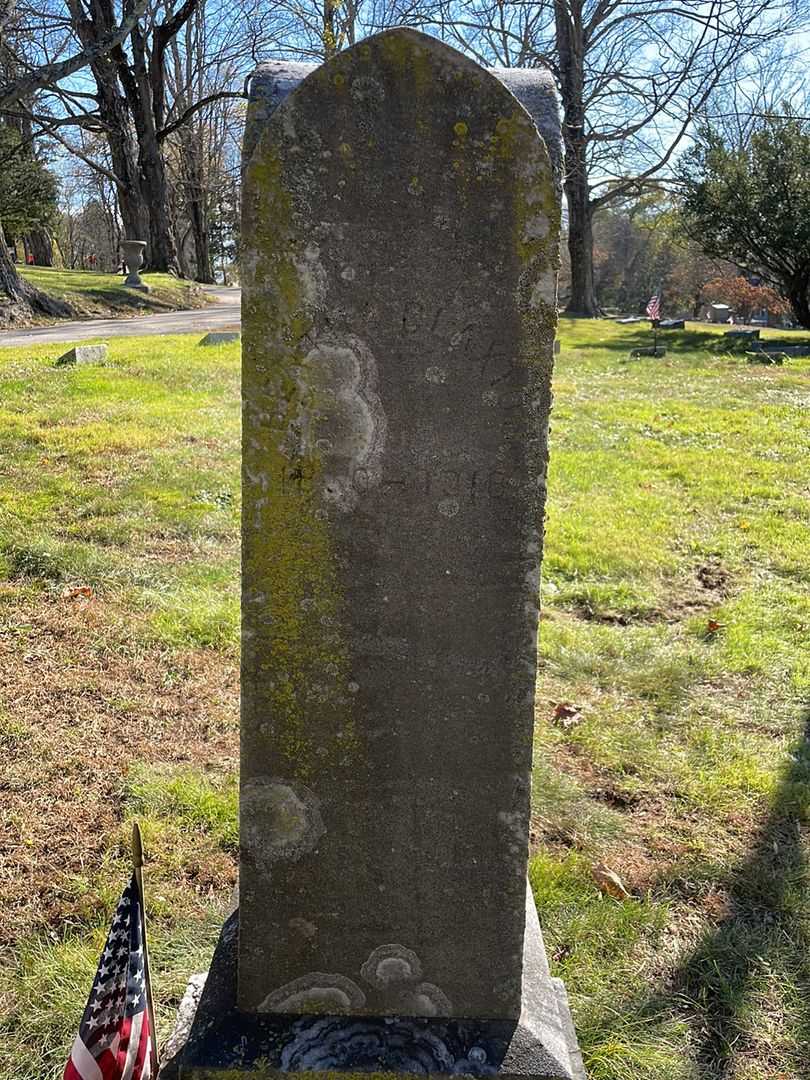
x,y
633,75
20,79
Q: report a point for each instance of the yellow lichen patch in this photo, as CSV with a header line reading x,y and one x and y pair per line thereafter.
x,y
299,699
413,63
460,128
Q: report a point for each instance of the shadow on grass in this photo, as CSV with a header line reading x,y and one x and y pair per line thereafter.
x,y
123,299
754,966
675,341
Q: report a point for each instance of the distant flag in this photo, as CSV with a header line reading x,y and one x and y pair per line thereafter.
x,y
115,1040
654,307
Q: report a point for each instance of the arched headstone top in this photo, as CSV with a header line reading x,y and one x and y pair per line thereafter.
x,y
534,88
403,108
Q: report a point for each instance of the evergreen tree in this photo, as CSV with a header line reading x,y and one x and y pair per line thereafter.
x,y
27,188
751,205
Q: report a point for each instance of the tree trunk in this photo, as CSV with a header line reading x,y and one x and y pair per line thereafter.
x,y
202,249
799,297
38,242
580,246
571,53
162,251
195,205
141,87
134,211
19,299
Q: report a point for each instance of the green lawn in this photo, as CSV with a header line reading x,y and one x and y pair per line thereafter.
x,y
95,295
672,707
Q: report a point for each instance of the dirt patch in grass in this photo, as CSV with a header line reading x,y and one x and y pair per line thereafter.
x,y
81,699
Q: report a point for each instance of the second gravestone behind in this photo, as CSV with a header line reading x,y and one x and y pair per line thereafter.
x,y
402,228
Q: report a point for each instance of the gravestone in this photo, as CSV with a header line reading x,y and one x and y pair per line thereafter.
x,y
220,337
402,216
83,354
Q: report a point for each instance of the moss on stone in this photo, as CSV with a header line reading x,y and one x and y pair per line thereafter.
x,y
295,639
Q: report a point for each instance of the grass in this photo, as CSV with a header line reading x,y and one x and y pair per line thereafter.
x,y
93,295
673,706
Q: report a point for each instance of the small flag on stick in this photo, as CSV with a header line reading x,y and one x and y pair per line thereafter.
x,y
116,1036
654,307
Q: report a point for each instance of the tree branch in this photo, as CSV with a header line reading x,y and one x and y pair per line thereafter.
x,y
169,129
49,74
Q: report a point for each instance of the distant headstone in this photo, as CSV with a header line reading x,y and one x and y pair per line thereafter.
x,y
672,324
785,350
402,218
83,354
742,335
221,337
649,350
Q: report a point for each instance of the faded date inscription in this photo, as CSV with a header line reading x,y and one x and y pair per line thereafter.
x,y
468,484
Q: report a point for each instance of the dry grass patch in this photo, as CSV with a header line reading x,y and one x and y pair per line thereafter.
x,y
82,698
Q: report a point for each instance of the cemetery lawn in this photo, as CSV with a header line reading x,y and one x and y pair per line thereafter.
x,y
672,713
94,295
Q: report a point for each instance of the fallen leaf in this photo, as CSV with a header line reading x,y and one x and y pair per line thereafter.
x,y
77,592
712,626
609,882
567,715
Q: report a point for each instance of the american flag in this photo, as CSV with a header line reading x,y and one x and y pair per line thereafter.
x,y
114,1040
654,307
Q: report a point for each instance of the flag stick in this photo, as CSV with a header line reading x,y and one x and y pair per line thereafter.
x,y
137,864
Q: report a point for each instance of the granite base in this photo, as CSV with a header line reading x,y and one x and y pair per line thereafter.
x,y
226,1044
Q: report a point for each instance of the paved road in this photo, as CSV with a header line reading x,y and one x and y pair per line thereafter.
x,y
224,314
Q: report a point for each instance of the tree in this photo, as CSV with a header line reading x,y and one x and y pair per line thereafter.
x,y
19,81
27,188
633,75
751,204
744,297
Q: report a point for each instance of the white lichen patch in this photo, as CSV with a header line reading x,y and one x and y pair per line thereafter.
x,y
436,375
391,964
280,820
536,228
348,416
515,826
544,293
448,507
312,276
368,92
426,999
315,993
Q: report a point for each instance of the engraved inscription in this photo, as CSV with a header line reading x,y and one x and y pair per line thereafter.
x,y
465,484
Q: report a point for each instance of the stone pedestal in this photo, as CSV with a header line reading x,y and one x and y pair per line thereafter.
x,y
224,1042
401,218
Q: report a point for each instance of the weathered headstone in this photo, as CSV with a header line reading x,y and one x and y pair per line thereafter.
x,y
83,354
220,337
402,220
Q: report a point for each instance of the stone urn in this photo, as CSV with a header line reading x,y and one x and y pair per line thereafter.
x,y
133,260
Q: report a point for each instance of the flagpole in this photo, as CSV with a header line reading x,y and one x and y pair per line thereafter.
x,y
137,864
